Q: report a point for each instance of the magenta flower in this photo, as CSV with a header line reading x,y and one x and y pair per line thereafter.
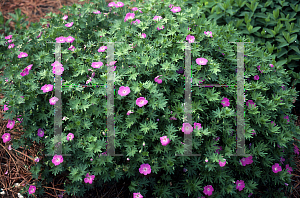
x,y
11,46
22,55
225,102
53,100
31,189
97,64
170,6
289,169
136,21
56,64
70,136
141,101
129,16
97,12
69,24
246,161
60,39
6,137
164,140
65,17
208,33
111,4
287,117
145,169
176,9
198,125
47,88
201,61
40,132
273,122
222,164
143,35
10,124
137,195
58,70
296,150
251,103
240,185
134,9
36,159
187,128
69,39
5,107
159,81
282,160
57,160
157,18
8,37
190,38
276,168
123,91
271,65
129,112
256,77
119,4
72,48
208,190
102,49
163,27
89,178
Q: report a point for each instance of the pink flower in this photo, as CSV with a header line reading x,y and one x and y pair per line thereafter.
x,y
111,4
97,12
175,9
273,122
22,54
246,161
119,4
72,48
163,27
256,77
47,88
164,140
69,39
89,178
145,169
136,21
240,185
5,107
137,195
9,147
70,136
69,24
157,18
208,33
208,190
65,17
251,103
159,81
201,61
53,100
60,39
143,35
40,132
97,64
102,49
289,169
222,164
31,189
8,37
187,128
287,117
10,124
141,101
190,38
225,102
36,159
198,125
271,65
57,160
276,168
56,64
11,46
296,150
58,70
129,16
129,112
170,6
123,91
6,137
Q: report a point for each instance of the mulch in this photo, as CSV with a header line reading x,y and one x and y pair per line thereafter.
x,y
15,161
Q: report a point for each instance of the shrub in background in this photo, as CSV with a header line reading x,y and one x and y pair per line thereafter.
x,y
149,114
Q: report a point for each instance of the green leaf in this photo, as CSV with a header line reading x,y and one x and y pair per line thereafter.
x,y
255,29
282,62
282,52
283,44
296,49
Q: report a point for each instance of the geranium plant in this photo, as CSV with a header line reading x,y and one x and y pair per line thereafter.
x,y
149,80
